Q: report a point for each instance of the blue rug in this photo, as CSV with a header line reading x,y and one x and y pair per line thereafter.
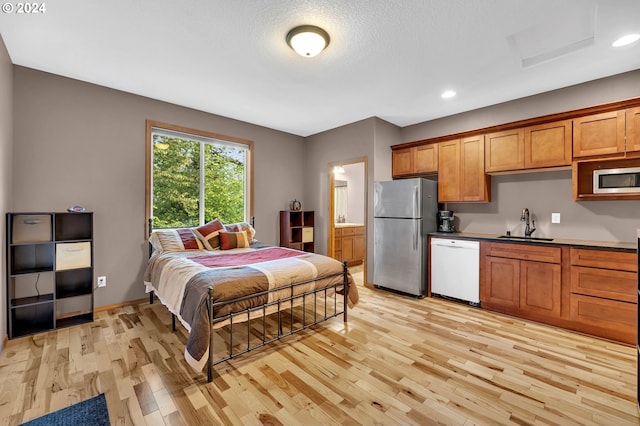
x,y
92,412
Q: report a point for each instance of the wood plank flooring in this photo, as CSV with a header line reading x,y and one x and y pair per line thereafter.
x,y
398,360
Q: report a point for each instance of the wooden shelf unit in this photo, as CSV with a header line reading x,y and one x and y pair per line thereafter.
x,y
49,268
297,230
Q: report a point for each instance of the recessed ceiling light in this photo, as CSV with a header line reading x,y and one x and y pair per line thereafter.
x,y
625,40
448,94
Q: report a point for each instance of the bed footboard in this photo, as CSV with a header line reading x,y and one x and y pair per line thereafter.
x,y
319,304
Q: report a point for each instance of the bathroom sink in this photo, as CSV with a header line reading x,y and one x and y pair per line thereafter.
x,y
513,237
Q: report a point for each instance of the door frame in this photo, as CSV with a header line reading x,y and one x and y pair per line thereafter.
x,y
332,202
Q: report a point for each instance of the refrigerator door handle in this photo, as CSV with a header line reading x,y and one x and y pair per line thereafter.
x,y
415,202
416,233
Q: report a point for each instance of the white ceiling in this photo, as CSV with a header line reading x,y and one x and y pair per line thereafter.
x,y
387,58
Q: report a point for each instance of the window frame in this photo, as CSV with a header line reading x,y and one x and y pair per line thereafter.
x,y
151,124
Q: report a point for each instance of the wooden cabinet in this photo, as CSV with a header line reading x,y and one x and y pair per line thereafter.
x,y
533,147
461,174
582,178
421,159
49,271
548,145
633,130
297,230
604,293
522,279
504,151
350,244
599,134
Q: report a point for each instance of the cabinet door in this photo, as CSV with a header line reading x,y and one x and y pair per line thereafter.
x,y
426,158
402,162
504,151
449,171
502,284
358,247
347,248
474,184
540,289
599,134
633,130
548,145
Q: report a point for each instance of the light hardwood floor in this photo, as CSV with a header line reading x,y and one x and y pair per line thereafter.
x,y
399,360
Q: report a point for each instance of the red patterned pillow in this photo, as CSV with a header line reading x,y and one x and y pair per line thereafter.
x,y
178,239
242,226
209,234
231,240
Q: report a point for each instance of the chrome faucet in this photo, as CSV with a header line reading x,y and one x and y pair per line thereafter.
x,y
524,217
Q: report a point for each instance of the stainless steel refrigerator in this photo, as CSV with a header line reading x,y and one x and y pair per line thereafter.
x,y
405,211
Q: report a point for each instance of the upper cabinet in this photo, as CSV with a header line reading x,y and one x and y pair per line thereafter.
x,y
504,151
422,159
532,147
547,145
633,130
461,176
599,134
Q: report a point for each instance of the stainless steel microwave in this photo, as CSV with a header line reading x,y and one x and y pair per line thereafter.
x,y
616,181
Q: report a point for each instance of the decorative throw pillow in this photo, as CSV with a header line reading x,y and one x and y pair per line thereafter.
x,y
177,239
209,234
242,226
231,240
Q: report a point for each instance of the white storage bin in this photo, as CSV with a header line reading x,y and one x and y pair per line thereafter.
x,y
32,228
73,255
307,235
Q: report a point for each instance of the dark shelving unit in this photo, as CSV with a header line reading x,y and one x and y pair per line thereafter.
x,y
297,230
49,260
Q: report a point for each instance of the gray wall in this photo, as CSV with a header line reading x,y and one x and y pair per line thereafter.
x,y
546,192
6,147
78,143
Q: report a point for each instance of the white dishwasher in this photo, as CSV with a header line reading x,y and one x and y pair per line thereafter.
x,y
455,269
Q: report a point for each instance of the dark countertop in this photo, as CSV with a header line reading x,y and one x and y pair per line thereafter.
x,y
610,245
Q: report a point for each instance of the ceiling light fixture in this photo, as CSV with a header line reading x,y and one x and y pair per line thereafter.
x,y
308,40
447,94
625,40
338,170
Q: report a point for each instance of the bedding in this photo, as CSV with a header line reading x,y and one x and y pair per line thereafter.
x,y
181,280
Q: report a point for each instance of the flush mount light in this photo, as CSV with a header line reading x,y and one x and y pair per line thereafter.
x,y
625,40
308,40
447,94
338,169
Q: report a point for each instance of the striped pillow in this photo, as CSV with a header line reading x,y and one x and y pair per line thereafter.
x,y
209,234
178,239
231,240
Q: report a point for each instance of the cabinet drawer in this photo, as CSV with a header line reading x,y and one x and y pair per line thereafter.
x,y
605,259
535,252
358,230
348,231
337,232
73,255
618,285
598,312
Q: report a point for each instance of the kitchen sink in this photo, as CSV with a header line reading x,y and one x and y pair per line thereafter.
x,y
513,237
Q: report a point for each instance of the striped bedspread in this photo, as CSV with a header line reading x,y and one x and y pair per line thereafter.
x,y
181,280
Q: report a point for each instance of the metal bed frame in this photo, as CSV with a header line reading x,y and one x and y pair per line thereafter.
x,y
293,300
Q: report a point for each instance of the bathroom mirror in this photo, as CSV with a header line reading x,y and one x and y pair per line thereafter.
x,y
341,197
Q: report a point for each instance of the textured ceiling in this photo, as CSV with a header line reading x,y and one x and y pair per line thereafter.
x,y
390,59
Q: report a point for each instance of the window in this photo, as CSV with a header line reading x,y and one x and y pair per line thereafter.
x,y
194,177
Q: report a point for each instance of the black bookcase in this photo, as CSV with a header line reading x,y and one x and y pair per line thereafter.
x,y
49,270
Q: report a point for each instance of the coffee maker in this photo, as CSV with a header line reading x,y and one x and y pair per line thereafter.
x,y
445,221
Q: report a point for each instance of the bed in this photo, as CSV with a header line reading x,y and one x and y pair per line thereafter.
x,y
220,277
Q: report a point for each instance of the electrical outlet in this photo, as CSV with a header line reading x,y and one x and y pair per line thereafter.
x,y
555,217
102,281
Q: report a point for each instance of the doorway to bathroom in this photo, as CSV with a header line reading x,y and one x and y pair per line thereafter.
x,y
348,213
